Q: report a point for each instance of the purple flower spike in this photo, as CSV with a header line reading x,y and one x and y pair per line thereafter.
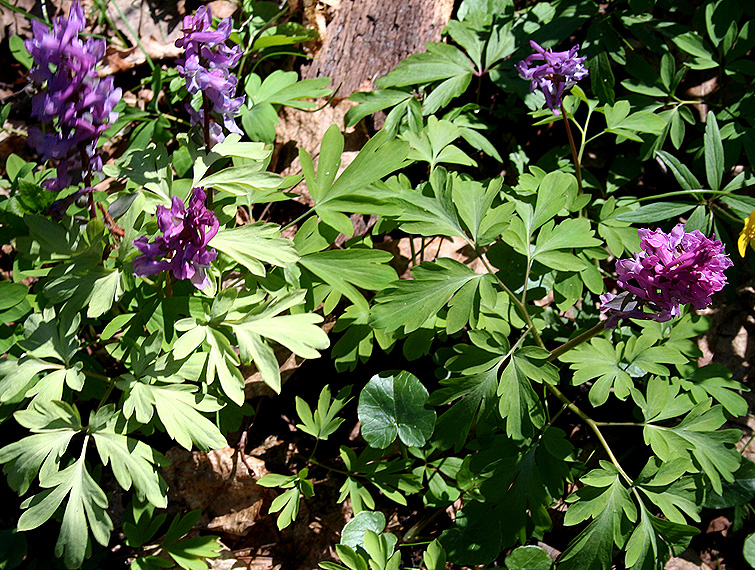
x,y
558,73
76,104
673,269
182,247
206,68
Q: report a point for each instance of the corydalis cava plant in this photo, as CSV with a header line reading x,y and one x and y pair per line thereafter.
x,y
671,270
75,106
182,247
558,73
206,67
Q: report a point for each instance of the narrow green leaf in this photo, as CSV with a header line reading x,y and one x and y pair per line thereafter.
x,y
714,152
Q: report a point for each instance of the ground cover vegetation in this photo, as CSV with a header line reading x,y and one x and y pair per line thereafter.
x,y
544,386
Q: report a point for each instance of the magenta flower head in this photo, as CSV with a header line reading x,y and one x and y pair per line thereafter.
x,y
75,105
182,247
206,68
671,270
558,73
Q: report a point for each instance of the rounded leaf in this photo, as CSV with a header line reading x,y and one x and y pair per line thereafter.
x,y
352,534
529,558
395,403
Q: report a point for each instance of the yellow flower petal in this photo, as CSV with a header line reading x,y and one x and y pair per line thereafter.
x,y
747,235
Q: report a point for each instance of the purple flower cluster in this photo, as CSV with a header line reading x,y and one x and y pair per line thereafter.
x,y
76,104
558,73
672,269
206,67
182,247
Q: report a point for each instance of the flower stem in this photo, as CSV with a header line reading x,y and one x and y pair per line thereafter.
x,y
519,305
576,341
594,427
577,167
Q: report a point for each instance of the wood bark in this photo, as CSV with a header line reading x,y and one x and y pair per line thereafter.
x,y
365,39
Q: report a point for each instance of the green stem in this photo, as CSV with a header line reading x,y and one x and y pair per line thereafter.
x,y
577,167
619,424
329,468
576,341
297,220
107,393
521,307
594,427
136,37
749,441
726,214
677,193
17,10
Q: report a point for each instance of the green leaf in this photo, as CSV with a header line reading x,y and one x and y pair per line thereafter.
x,y
714,152
353,532
86,508
441,61
475,536
529,558
179,409
446,92
434,557
429,210
410,303
394,404
192,553
738,492
38,454
698,435
748,550
683,175
254,245
371,102
519,405
323,422
287,504
656,212
346,269
612,510
433,144
571,233
284,88
352,191
522,480
132,461
670,489
599,359
149,167
601,78
297,332
19,51
474,383
241,180
715,381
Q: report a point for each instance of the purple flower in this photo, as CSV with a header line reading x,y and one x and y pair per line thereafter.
x,y
76,105
558,73
671,270
206,68
182,247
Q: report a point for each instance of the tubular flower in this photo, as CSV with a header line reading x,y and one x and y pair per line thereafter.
x,y
747,235
558,73
76,105
206,68
672,269
182,247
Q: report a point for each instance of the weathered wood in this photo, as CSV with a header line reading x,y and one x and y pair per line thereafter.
x,y
367,38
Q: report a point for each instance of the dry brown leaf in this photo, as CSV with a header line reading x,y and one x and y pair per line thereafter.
x,y
219,483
